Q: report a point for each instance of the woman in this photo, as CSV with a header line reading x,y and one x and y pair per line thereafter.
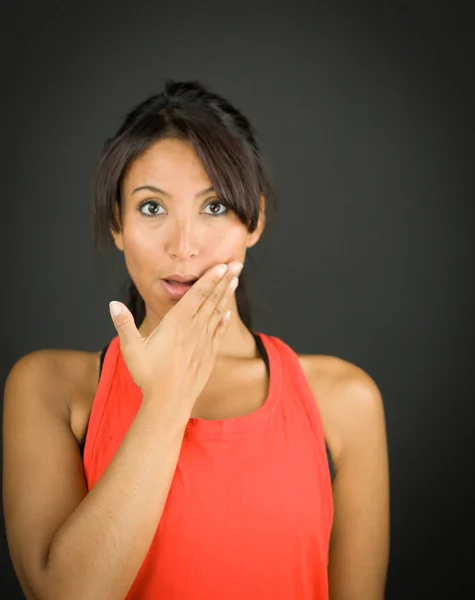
x,y
217,462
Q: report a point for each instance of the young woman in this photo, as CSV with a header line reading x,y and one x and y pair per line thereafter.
x,y
193,458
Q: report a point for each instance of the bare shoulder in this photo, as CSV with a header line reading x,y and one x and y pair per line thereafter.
x,y
65,379
342,382
75,368
348,399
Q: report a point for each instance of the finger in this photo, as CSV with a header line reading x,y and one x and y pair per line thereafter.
x,y
201,290
220,331
219,312
124,324
212,304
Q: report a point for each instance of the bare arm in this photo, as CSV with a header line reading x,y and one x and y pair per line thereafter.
x,y
359,548
64,542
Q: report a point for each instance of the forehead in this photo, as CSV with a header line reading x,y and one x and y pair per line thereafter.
x,y
168,162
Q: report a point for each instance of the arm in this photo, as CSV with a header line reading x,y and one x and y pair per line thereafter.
x,y
359,548
65,543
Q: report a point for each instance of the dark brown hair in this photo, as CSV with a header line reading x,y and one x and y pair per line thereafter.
x,y
225,142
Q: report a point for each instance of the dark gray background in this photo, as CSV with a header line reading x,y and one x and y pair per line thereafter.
x,y
365,113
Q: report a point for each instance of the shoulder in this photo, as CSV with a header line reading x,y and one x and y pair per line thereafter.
x,y
59,376
344,383
349,401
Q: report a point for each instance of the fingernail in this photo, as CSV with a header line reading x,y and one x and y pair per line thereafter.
x,y
236,268
115,308
221,270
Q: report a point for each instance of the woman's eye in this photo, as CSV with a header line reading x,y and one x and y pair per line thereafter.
x,y
216,203
147,213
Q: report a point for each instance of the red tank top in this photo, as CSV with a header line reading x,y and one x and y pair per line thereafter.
x,y
249,511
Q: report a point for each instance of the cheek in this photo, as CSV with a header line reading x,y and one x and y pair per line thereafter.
x,y
140,250
227,246
230,238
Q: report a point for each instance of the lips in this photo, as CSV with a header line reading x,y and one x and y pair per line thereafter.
x,y
175,289
183,283
178,278
187,281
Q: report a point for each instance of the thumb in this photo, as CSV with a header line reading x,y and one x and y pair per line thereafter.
x,y
124,323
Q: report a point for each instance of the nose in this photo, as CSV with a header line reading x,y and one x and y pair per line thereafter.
x,y
182,239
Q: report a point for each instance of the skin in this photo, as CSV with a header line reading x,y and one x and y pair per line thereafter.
x,y
49,394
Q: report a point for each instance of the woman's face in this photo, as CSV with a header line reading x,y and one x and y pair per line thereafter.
x,y
173,222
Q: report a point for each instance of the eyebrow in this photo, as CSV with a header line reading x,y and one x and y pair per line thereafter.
x,y
152,188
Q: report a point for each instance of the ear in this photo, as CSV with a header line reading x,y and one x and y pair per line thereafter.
x,y
253,238
117,235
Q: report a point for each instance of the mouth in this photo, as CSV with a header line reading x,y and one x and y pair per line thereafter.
x,y
187,283
175,290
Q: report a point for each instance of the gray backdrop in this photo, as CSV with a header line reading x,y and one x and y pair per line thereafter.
x,y
365,113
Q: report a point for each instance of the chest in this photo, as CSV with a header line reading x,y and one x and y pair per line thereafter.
x,y
233,390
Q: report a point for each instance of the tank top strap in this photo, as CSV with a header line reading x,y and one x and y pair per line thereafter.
x,y
297,378
265,357
108,360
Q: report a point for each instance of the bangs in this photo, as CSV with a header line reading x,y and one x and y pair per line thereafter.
x,y
226,160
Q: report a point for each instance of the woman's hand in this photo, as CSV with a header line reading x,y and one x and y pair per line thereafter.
x,y
179,354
